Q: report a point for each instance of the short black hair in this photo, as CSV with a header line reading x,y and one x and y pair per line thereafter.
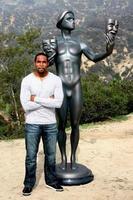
x,y
40,54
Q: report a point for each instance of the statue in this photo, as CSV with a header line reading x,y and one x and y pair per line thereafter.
x,y
65,51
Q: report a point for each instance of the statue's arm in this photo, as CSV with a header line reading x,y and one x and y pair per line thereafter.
x,y
95,57
111,32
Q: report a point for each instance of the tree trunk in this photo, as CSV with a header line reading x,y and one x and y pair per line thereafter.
x,y
15,106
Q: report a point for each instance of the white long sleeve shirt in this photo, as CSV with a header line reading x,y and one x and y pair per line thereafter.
x,y
42,110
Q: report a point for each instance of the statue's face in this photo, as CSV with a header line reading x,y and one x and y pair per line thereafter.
x,y
68,22
112,26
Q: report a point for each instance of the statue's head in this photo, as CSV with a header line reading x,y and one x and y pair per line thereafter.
x,y
66,21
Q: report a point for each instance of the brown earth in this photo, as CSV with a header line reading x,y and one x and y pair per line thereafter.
x,y
107,149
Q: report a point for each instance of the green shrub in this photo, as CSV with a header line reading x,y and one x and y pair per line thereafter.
x,y
103,100
11,132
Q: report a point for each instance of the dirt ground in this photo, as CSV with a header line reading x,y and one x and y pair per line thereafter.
x,y
107,149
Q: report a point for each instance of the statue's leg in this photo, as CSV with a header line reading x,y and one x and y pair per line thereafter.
x,y
75,113
62,120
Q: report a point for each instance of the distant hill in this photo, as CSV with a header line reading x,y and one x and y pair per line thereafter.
x,y
91,16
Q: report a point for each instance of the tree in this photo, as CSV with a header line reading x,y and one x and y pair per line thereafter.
x,y
16,56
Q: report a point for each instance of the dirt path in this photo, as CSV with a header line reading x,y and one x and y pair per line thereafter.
x,y
106,149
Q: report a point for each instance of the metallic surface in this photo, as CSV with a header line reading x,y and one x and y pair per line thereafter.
x,y
66,51
77,176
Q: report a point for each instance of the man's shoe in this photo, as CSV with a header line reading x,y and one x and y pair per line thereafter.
x,y
27,191
56,187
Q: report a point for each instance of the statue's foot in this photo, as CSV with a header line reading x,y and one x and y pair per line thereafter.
x,y
64,163
73,166
63,166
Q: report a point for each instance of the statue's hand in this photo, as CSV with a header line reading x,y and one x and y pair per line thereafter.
x,y
110,42
48,46
112,27
111,31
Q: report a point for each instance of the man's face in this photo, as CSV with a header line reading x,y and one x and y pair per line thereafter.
x,y
68,22
41,63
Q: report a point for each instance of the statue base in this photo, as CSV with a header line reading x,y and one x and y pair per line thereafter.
x,y
78,176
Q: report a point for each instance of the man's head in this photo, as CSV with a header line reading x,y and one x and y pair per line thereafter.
x,y
66,21
41,63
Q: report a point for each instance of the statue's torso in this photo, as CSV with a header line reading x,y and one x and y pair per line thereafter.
x,y
68,60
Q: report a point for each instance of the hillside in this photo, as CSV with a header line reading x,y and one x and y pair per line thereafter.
x,y
91,17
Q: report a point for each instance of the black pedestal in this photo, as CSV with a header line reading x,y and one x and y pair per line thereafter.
x,y
77,176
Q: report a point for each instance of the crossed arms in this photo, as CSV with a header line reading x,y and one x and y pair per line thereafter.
x,y
31,102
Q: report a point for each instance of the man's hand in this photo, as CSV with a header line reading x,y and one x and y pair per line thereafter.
x,y
32,97
52,97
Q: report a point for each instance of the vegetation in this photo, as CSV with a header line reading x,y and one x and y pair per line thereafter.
x,y
101,100
16,55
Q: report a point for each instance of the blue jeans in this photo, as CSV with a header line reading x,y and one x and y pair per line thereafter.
x,y
33,134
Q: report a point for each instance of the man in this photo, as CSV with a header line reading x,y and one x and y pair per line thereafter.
x,y
41,92
66,52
